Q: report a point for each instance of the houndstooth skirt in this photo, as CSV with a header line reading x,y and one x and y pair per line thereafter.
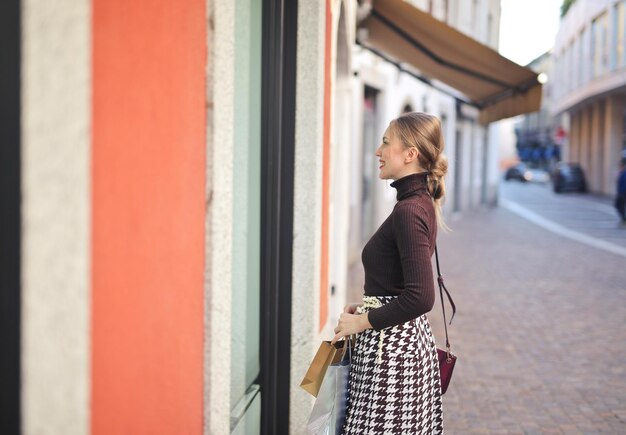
x,y
394,385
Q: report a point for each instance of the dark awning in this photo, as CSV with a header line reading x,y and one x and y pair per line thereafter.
x,y
497,86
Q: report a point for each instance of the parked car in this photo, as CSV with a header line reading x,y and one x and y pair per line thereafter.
x,y
568,176
518,172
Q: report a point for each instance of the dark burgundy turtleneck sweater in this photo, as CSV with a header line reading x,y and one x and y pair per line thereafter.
x,y
397,257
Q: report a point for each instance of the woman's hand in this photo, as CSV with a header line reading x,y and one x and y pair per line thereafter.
x,y
351,308
351,324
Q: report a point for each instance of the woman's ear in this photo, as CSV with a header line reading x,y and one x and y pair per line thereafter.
x,y
411,155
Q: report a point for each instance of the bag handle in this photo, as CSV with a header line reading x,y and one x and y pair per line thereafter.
x,y
442,287
348,344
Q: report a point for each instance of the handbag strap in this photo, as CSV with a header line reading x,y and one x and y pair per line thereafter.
x,y
442,288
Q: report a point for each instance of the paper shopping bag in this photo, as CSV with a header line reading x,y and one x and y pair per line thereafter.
x,y
326,355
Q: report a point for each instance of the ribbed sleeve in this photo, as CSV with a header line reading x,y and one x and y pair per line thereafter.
x,y
397,258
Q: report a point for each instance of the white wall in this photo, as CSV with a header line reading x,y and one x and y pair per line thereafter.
x,y
502,138
340,156
218,225
56,216
305,328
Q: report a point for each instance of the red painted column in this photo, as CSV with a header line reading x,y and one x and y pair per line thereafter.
x,y
326,167
148,151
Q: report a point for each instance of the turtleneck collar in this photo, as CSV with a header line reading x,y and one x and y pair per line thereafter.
x,y
410,184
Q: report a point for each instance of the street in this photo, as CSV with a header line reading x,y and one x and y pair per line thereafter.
x,y
540,324
589,216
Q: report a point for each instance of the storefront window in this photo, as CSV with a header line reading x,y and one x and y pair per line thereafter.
x,y
245,366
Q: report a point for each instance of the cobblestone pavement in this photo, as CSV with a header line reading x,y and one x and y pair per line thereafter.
x,y
540,330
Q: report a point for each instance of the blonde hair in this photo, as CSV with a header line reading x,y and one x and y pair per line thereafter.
x,y
423,132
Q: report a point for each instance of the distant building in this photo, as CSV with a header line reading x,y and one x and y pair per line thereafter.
x,y
539,136
588,87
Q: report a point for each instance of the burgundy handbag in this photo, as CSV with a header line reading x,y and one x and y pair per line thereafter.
x,y
446,358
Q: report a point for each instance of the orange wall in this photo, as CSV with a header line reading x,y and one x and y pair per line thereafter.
x,y
148,143
326,168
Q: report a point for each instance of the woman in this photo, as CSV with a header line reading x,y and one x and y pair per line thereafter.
x,y
620,197
394,384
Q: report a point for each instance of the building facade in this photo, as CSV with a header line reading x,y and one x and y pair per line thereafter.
x,y
146,283
185,185
540,135
588,87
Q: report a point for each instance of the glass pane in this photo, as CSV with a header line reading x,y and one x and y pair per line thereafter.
x,y
581,79
246,201
620,33
599,45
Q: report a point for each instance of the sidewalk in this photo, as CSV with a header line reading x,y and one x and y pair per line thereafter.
x,y
539,330
587,218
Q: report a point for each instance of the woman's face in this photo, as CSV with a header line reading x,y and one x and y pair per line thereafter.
x,y
393,158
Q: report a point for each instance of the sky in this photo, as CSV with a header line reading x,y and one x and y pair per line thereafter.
x,y
528,28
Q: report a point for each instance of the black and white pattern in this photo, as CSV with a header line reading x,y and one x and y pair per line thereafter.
x,y
394,385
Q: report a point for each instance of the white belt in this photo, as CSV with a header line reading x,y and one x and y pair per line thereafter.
x,y
374,302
